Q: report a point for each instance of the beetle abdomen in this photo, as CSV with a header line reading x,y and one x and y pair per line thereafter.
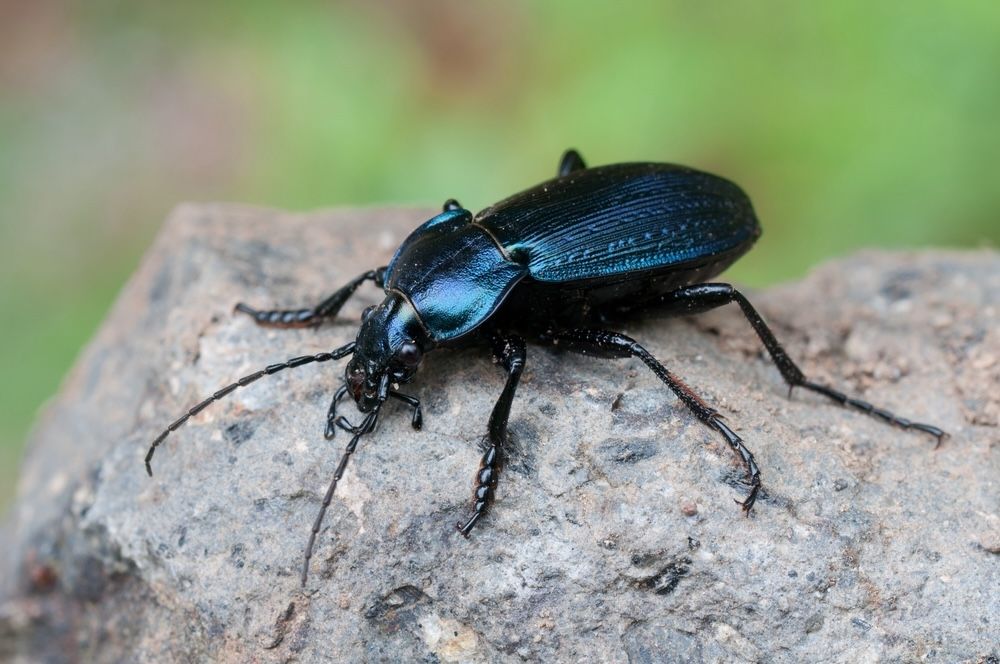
x,y
623,219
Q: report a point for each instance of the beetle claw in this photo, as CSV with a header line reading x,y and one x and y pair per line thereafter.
x,y
748,502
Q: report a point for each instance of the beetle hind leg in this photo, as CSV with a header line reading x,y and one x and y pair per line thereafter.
x,y
510,354
865,407
312,316
702,297
617,345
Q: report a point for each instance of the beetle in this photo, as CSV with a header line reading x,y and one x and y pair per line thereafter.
x,y
555,263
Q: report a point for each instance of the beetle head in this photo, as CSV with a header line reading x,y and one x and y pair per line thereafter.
x,y
388,350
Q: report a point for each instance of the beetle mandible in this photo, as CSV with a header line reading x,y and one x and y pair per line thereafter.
x,y
553,263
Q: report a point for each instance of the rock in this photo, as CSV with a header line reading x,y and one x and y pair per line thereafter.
x,y
615,536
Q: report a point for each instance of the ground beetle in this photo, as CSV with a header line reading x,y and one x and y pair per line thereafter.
x,y
554,263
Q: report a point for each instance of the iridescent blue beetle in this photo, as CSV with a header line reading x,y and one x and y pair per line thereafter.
x,y
554,263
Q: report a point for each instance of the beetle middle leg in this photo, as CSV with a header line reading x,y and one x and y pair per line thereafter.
x,y
510,353
328,308
702,297
571,161
615,344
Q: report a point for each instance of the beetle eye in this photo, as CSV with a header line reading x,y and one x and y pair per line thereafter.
x,y
367,312
409,354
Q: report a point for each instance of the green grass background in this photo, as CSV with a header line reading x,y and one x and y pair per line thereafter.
x,y
850,123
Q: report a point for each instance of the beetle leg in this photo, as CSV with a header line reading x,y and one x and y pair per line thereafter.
x,y
334,421
331,414
571,161
412,402
509,352
702,297
345,424
328,308
615,344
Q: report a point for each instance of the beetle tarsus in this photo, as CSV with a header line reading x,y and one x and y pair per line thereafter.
x,y
869,409
746,456
310,317
465,529
284,318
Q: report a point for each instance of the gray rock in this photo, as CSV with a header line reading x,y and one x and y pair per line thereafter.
x,y
615,536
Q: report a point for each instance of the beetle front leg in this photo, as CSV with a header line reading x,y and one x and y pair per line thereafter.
x,y
331,414
328,308
417,421
615,344
334,421
702,297
510,353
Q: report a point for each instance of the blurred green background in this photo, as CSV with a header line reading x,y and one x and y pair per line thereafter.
x,y
850,124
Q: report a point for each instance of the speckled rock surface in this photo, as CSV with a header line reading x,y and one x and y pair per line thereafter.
x,y
615,537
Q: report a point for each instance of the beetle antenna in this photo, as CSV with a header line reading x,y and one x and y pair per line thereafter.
x,y
366,426
243,382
